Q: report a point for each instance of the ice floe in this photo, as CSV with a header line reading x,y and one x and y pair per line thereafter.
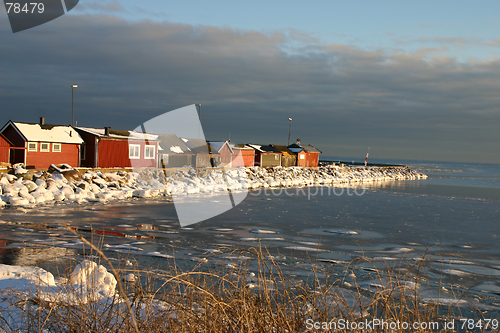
x,y
343,232
263,231
304,248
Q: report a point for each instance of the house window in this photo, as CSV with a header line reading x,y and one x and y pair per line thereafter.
x,y
302,157
44,147
134,151
56,147
149,152
32,146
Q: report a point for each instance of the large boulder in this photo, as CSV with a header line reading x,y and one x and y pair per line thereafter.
x,y
70,173
19,170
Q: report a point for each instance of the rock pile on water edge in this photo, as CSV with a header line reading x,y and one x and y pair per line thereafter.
x,y
70,185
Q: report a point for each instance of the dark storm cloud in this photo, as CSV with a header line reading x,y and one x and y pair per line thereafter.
x,y
342,98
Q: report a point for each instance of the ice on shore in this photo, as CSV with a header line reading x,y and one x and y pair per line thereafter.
x,y
88,282
87,277
98,186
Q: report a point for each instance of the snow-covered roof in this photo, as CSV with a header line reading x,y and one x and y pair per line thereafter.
x,y
49,133
171,144
143,136
100,132
123,135
199,146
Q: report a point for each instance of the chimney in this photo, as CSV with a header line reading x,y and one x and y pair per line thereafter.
x,y
42,121
106,131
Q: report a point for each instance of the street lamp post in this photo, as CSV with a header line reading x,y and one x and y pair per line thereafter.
x,y
289,130
73,104
199,122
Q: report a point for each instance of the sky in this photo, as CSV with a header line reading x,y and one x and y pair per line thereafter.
x,y
417,80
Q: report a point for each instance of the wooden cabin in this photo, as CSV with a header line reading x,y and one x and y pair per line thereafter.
x,y
38,145
108,148
206,156
243,155
307,155
173,152
288,158
225,152
266,156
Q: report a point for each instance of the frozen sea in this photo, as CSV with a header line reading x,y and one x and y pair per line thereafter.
x,y
451,219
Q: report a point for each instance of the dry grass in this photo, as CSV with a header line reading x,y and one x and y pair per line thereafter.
x,y
233,298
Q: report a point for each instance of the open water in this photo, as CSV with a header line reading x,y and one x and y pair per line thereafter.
x,y
451,220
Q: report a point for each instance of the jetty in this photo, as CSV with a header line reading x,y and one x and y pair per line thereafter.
x,y
25,188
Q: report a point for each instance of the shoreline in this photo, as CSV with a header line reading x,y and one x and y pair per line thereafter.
x,y
70,185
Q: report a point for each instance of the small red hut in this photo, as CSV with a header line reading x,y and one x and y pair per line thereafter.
x,y
307,155
108,148
42,144
244,156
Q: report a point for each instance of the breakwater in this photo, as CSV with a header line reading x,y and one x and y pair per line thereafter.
x,y
70,185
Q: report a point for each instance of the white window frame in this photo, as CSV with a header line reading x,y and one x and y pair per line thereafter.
x,y
54,147
33,143
149,148
302,157
44,150
134,152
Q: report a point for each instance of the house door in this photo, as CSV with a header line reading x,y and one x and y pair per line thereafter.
x,y
16,156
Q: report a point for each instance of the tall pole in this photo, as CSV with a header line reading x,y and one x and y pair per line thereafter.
x,y
289,130
73,104
199,122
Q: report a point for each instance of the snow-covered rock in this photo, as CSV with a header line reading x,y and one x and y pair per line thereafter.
x,y
98,186
93,280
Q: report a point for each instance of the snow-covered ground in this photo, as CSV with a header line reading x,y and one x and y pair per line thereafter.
x,y
22,287
97,186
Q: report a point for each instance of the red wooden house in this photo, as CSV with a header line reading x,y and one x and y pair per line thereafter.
x,y
107,148
244,156
307,155
42,144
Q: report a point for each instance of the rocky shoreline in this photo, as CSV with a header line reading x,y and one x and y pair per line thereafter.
x,y
59,184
